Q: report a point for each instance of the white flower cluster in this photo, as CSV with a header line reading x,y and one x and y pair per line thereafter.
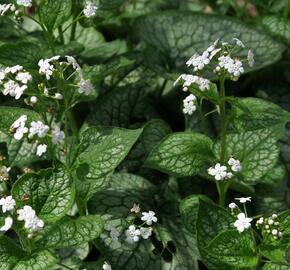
x,y
220,172
90,9
48,66
37,128
188,79
134,233
14,81
189,106
4,173
31,221
25,3
4,8
270,226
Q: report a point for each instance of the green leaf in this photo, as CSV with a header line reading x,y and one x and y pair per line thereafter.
x,y
119,108
50,193
181,154
179,35
189,211
278,26
110,4
275,266
234,249
23,53
211,221
103,149
254,113
70,232
41,260
257,151
54,13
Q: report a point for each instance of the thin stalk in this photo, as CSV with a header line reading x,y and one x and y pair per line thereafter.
x,y
61,37
287,9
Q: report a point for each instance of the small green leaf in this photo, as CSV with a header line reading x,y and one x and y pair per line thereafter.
x,y
275,266
70,232
50,193
103,149
181,154
234,249
54,13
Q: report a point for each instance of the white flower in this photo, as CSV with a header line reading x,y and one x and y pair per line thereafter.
x,y
23,77
219,172
45,68
251,60
114,234
33,223
7,225
58,96
57,135
71,60
41,149
6,7
243,199
90,9
25,213
19,133
33,99
20,122
274,216
26,3
14,89
239,43
13,69
199,61
275,232
232,205
145,232
188,80
107,266
38,128
2,76
135,209
4,173
188,104
85,86
242,222
204,84
132,234
149,217
260,220
7,204
235,165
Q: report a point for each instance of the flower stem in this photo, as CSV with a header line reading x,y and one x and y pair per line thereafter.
x,y
223,187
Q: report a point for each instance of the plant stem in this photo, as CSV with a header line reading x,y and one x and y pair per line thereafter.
x,y
223,187
61,37
287,9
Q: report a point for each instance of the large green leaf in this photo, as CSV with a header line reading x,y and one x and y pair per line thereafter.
x,y
257,151
181,154
278,26
234,249
70,232
103,149
275,266
211,221
14,258
54,13
23,53
181,34
114,205
50,192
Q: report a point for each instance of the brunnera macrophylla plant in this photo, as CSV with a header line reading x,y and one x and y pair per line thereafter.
x,y
68,197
